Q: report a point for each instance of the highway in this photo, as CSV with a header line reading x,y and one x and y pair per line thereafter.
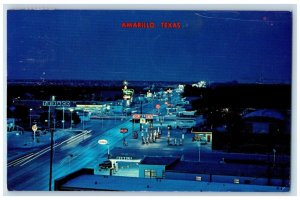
x,y
31,171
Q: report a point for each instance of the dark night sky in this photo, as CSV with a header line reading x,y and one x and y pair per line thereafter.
x,y
91,45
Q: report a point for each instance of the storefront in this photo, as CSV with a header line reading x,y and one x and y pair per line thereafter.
x,y
202,136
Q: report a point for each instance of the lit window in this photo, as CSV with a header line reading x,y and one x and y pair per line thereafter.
x,y
147,173
150,173
153,173
236,181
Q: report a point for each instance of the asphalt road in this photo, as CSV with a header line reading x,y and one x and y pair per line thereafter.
x,y
31,171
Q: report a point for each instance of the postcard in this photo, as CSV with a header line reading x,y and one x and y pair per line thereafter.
x,y
149,100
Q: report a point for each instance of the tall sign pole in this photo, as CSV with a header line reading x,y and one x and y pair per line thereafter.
x,y
105,142
71,110
53,103
34,128
63,121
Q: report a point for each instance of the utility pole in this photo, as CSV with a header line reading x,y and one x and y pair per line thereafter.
x,y
199,149
51,160
30,117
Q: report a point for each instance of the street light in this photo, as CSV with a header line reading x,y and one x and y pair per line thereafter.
x,y
52,98
141,101
30,117
71,110
63,121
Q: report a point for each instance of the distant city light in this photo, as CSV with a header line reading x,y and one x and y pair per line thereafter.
x,y
201,84
180,88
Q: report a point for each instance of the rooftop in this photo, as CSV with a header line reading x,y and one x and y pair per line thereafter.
x,y
265,113
226,169
158,160
86,181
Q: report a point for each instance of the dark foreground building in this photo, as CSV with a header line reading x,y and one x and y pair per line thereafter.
x,y
176,175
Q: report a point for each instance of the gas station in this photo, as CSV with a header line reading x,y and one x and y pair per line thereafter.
x,y
205,136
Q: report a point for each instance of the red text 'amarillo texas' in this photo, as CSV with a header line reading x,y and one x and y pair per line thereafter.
x,y
173,25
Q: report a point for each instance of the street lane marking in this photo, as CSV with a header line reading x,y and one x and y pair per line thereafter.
x,y
18,159
39,153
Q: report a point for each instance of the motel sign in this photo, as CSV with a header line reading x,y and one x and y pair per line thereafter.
x,y
57,103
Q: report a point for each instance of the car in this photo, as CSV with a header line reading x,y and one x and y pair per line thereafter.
x,y
105,165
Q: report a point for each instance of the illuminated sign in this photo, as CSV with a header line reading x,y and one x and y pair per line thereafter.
x,y
34,127
143,117
123,130
142,121
149,94
128,91
102,142
57,103
201,132
124,158
90,106
126,97
136,116
149,116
